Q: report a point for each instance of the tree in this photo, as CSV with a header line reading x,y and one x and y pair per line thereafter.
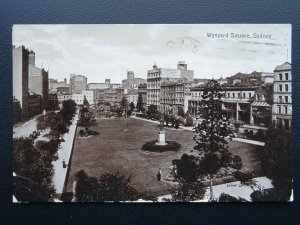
x,y
33,163
68,110
116,187
187,191
181,112
277,162
139,104
132,106
110,187
87,120
152,110
189,121
55,121
212,131
187,168
124,103
228,198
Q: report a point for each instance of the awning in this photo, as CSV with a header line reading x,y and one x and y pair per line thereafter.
x,y
260,104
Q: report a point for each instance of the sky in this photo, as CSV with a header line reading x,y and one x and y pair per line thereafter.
x,y
109,51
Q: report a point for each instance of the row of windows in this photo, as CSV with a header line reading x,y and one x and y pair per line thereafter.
x,y
282,109
280,87
286,76
282,99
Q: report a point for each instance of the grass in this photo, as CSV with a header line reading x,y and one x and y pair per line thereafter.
x,y
117,150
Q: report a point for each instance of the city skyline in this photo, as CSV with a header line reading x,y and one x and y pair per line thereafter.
x,y
108,51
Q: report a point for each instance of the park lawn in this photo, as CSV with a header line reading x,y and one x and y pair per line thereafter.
x,y
117,150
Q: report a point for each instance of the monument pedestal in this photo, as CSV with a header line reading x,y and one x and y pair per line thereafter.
x,y
161,138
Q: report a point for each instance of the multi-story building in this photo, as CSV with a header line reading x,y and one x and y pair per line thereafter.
x,y
236,101
17,111
99,86
64,97
142,90
79,98
157,76
20,79
261,108
54,85
154,79
172,95
35,104
52,101
184,72
282,97
245,78
131,82
132,96
38,82
78,83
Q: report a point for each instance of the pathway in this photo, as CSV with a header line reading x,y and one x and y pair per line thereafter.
x,y
259,143
64,153
234,189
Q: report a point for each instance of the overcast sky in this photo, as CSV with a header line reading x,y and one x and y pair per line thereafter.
x,y
108,51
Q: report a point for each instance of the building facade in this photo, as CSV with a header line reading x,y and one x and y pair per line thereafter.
x,y
54,85
154,79
20,78
282,97
261,108
79,98
132,96
38,80
131,82
78,83
236,102
172,96
142,90
99,86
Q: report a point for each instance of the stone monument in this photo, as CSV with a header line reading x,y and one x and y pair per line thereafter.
x,y
162,138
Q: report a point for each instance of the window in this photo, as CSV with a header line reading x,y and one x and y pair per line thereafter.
x,y
239,95
263,97
285,109
249,94
228,95
280,76
244,95
257,97
280,87
280,99
286,87
286,99
286,76
279,109
233,95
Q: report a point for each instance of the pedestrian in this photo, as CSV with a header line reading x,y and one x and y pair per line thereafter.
x,y
64,163
159,174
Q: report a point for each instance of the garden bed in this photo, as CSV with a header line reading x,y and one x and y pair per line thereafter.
x,y
152,146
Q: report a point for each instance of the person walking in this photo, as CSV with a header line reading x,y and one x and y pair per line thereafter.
x,y
159,174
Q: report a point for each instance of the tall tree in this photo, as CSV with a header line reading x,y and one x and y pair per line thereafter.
x,y
132,106
210,134
139,104
277,162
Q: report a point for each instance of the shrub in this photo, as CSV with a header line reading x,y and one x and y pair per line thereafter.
x,y
189,122
151,146
187,168
260,135
228,198
237,162
243,176
81,133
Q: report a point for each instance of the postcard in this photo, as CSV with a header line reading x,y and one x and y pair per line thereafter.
x,y
152,113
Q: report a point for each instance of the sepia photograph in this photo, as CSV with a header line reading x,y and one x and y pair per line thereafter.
x,y
152,113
